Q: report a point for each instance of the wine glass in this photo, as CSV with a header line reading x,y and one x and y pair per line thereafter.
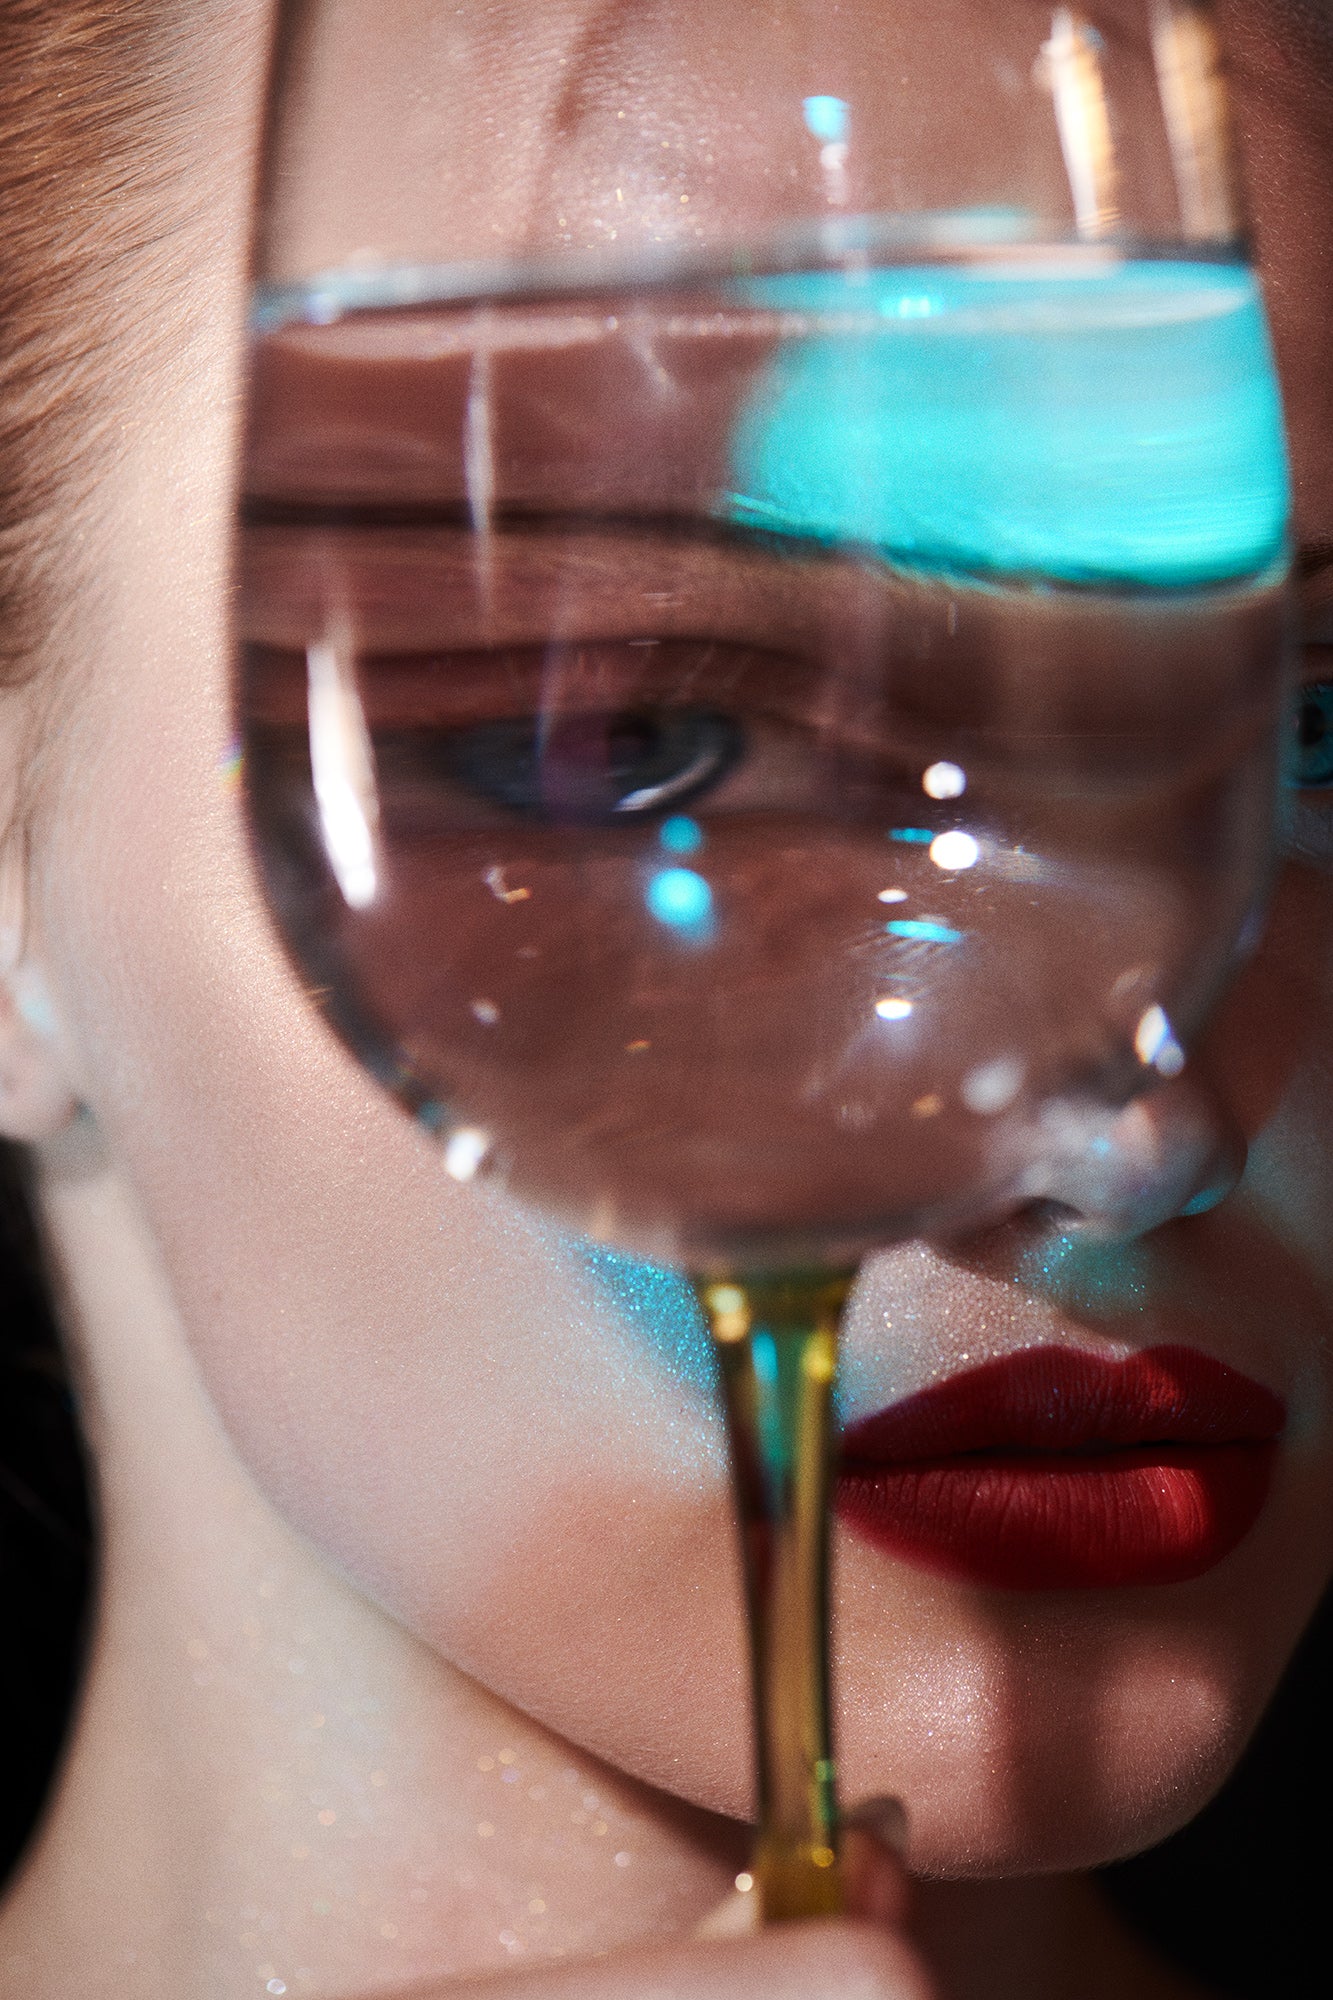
x,y
760,627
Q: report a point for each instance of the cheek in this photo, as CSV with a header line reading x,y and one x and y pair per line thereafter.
x,y
417,1373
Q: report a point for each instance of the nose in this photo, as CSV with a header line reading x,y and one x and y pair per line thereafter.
x,y
1116,1173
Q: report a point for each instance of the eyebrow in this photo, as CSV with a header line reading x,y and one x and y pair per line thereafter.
x,y
87,136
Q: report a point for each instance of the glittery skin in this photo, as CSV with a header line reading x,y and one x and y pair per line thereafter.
x,y
1081,1274
659,1308
919,1316
914,1320
891,1329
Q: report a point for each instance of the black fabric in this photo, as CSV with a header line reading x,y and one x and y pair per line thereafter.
x,y
45,1536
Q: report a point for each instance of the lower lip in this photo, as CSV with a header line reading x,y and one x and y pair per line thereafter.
x,y
1109,1514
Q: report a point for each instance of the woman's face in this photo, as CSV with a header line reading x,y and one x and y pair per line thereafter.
x,y
511,1443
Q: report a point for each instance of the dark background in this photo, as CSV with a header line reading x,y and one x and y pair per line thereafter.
x,y
1240,1898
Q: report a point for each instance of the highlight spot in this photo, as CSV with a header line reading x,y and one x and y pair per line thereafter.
x,y
954,851
944,780
679,897
1155,1043
680,834
464,1153
921,930
826,118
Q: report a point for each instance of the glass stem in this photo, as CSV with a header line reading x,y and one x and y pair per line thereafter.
x,y
777,1343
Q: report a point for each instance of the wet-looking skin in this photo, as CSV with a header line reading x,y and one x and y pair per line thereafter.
x,y
419,1655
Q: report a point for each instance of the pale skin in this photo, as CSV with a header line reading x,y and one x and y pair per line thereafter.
x,y
418,1663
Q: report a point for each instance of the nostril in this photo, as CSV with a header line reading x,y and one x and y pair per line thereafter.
x,y
1033,1224
1048,1216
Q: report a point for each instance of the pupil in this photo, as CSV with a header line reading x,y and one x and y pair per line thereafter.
x,y
596,766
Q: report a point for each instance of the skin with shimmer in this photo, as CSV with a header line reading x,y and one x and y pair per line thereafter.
x,y
419,1653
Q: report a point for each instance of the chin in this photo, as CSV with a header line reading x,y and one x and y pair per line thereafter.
x,y
1047,1812
1030,1735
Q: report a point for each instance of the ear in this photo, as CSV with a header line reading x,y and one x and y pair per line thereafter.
x,y
36,1099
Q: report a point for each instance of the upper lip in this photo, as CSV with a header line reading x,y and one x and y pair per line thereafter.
x,y
1068,1401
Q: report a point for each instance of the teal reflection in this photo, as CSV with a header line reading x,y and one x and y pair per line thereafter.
x,y
923,930
826,119
680,898
1113,422
1082,1274
659,1308
680,834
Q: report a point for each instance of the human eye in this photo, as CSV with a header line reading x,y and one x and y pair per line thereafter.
x,y
587,734
578,682
623,760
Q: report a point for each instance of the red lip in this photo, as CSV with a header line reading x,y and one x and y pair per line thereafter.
x,y
1057,1470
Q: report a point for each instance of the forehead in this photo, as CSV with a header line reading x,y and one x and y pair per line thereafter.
x,y
504,125
434,134
458,125
493,128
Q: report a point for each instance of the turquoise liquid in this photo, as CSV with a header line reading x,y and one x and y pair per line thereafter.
x,y
1114,426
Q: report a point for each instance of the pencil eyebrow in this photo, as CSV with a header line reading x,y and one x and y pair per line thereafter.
x,y
90,125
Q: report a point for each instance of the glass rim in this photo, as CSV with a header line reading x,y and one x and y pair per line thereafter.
x,y
979,237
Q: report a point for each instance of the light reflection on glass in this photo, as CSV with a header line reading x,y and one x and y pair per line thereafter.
x,y
1073,71
1197,120
954,851
1155,1043
679,897
680,834
826,119
465,1151
923,930
342,770
993,1086
944,780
